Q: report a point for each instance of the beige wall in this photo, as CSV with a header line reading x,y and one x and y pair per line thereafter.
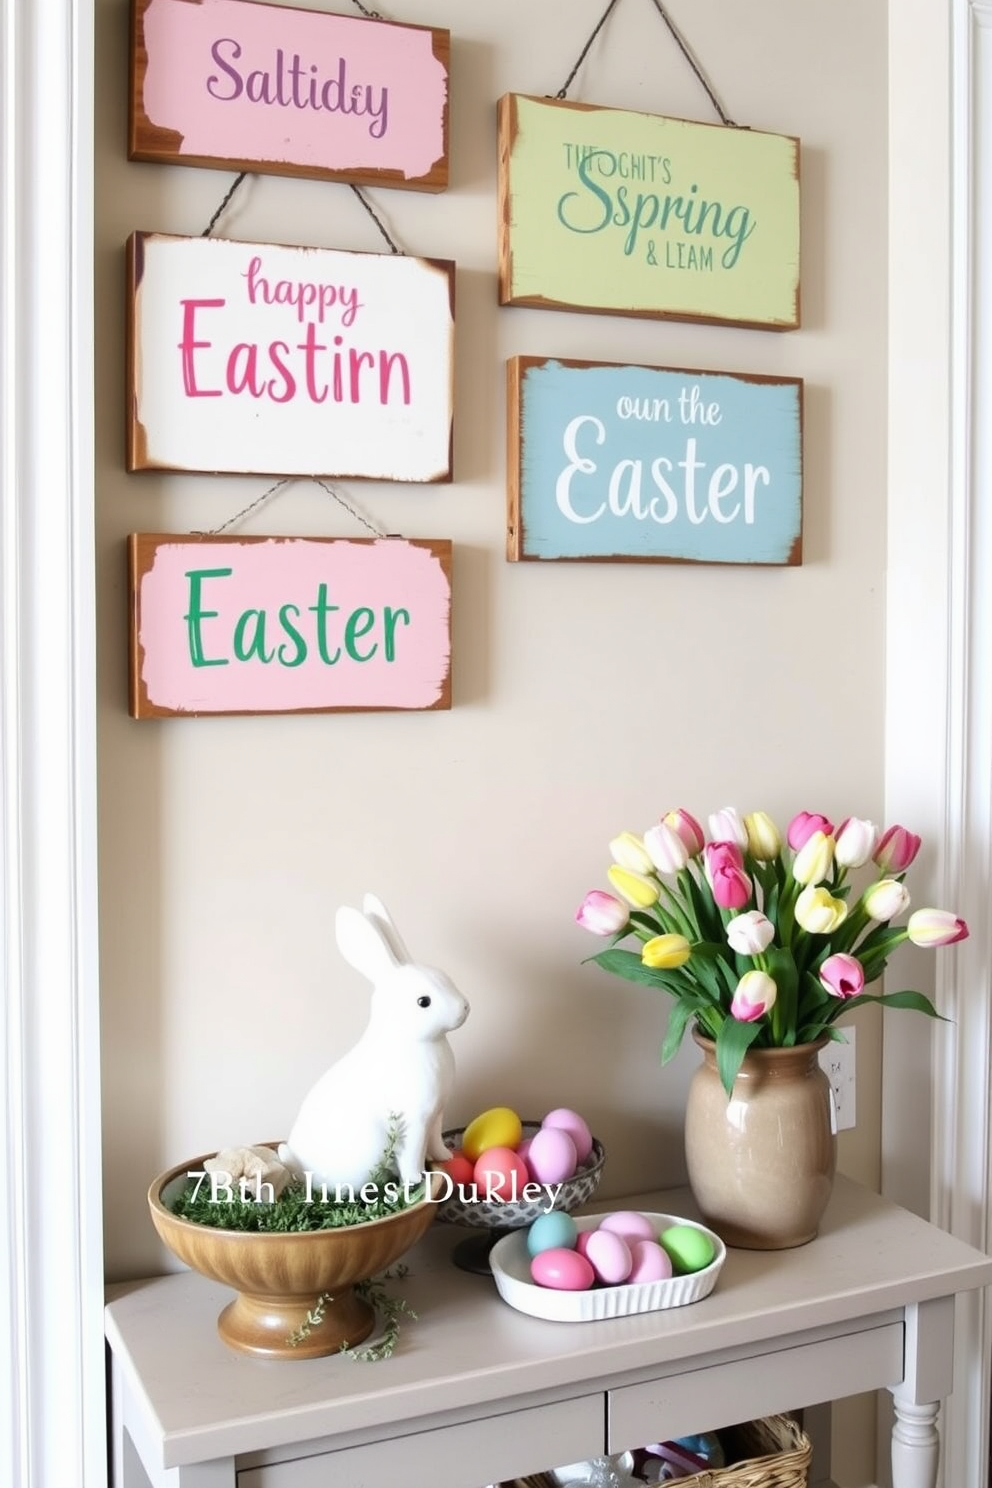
x,y
587,698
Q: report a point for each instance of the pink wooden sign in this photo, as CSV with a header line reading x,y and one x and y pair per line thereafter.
x,y
288,625
270,359
235,84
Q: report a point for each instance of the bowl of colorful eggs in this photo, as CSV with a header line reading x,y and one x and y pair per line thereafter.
x,y
504,1173
596,1266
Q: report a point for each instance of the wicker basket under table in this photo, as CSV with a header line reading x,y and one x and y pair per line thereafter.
x,y
773,1452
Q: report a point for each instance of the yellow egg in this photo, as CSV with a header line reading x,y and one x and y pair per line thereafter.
x,y
499,1127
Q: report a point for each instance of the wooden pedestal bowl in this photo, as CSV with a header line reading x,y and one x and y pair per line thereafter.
x,y
279,1277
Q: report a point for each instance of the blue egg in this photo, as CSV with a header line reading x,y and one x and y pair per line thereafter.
x,y
554,1231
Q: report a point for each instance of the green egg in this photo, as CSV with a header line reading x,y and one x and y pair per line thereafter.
x,y
689,1249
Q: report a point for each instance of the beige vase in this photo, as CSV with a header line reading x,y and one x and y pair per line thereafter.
x,y
761,1164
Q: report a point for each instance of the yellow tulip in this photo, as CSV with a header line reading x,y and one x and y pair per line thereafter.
x,y
763,840
814,859
636,888
629,851
818,911
666,952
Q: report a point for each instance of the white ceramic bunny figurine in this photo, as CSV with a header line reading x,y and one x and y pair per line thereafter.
x,y
401,1066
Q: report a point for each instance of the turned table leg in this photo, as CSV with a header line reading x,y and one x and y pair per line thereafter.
x,y
915,1444
928,1377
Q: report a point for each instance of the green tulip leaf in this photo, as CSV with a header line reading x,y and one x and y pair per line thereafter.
x,y
732,1043
687,1008
628,964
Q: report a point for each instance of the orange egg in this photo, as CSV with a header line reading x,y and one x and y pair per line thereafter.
x,y
458,1167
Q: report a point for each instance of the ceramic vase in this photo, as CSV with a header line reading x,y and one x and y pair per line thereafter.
x,y
761,1163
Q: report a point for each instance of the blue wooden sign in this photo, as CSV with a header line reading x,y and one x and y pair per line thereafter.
x,y
657,464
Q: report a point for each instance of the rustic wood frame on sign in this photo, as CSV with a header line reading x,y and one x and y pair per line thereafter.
x,y
562,250
550,447
172,676
161,142
401,430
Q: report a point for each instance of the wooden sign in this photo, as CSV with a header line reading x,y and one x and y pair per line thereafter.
x,y
634,214
239,85
258,358
653,463
287,625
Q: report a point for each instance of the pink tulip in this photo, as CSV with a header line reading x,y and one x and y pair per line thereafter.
x,y
688,828
755,995
843,976
802,827
731,887
936,927
724,865
721,855
602,913
896,849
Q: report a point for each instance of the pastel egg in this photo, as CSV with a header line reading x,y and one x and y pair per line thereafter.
x,y
498,1127
564,1270
523,1147
551,1156
458,1168
570,1121
500,1174
554,1231
649,1262
628,1224
582,1240
609,1256
689,1248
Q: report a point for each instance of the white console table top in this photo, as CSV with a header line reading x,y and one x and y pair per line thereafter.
x,y
191,1399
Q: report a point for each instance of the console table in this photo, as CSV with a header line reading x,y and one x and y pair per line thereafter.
x,y
477,1393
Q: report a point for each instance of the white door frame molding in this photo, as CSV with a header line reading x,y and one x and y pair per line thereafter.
x,y
939,624
52,1416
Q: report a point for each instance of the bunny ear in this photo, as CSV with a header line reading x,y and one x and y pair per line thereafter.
x,y
376,911
363,943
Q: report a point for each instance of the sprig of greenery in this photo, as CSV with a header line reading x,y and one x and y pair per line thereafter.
x,y
392,1310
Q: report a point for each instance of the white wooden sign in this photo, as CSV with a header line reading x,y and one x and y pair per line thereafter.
x,y
259,358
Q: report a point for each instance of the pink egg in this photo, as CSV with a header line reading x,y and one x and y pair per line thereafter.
x,y
628,1224
649,1262
551,1157
500,1174
571,1122
609,1256
523,1147
564,1270
582,1240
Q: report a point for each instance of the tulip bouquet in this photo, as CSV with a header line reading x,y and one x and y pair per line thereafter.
x,y
760,942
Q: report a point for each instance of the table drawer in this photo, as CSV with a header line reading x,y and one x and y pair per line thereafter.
x,y
461,1456
687,1401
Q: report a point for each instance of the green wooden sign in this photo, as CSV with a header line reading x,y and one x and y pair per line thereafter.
x,y
636,214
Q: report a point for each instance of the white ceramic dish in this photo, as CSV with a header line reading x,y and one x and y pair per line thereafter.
x,y
510,1264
